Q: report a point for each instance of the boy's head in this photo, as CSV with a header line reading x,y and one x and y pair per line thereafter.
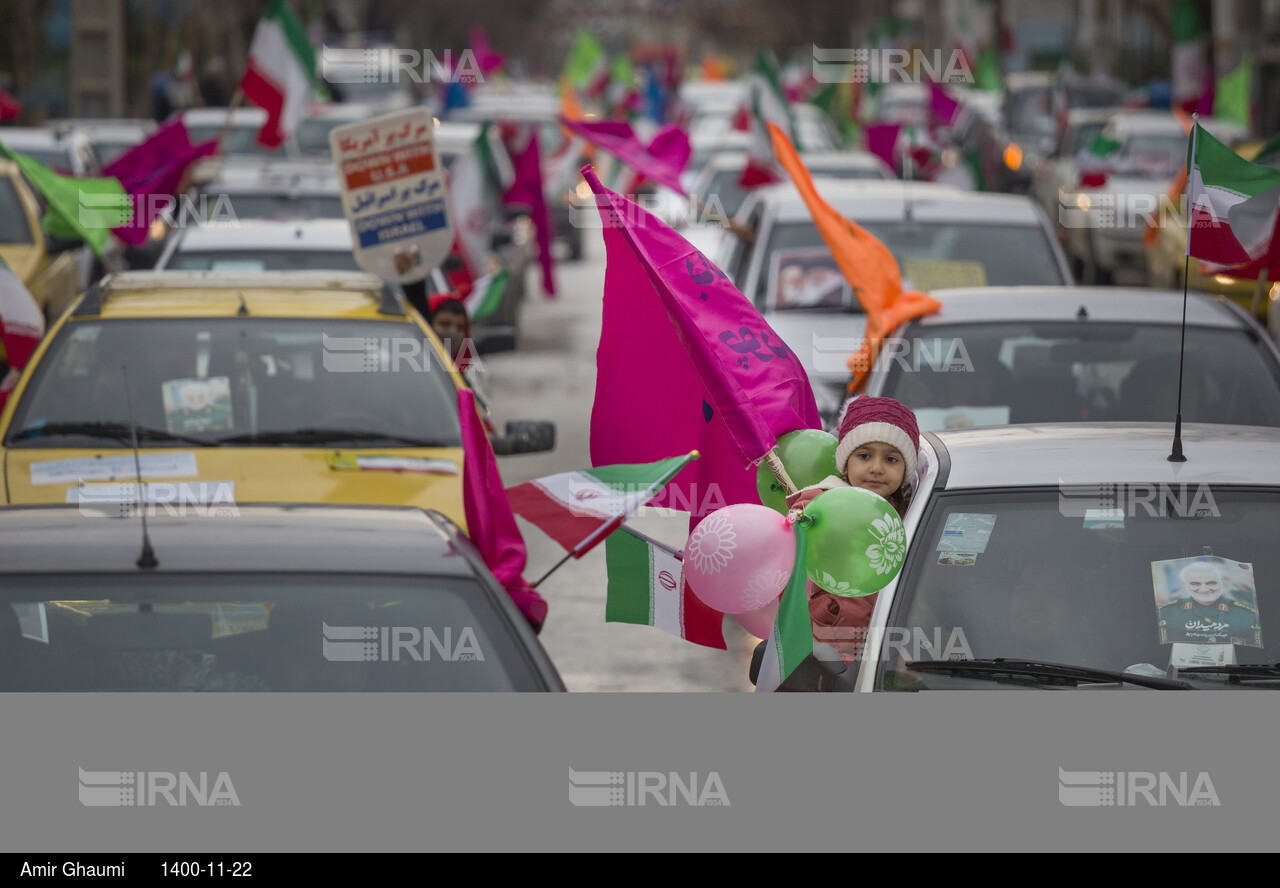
x,y
449,321
872,432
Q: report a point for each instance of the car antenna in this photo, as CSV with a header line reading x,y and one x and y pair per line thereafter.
x,y
1176,455
243,310
907,162
148,557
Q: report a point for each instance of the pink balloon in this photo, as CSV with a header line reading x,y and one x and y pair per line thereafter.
x,y
759,622
740,557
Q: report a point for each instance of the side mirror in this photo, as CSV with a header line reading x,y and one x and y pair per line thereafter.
x,y
526,436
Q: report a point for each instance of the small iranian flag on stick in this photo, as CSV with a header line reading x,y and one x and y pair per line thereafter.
x,y
792,637
579,509
769,105
281,68
647,587
1233,203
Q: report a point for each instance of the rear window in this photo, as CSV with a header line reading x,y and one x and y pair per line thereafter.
x,y
256,633
280,206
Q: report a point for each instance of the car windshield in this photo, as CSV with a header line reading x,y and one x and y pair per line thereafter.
x,y
933,255
313,134
962,375
243,633
230,378
1112,577
264,260
237,140
1151,155
13,218
1029,111
282,206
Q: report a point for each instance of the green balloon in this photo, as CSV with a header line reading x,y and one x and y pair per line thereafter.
x,y
808,455
856,542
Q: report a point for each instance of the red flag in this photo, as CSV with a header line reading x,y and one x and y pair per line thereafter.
x,y
491,523
10,107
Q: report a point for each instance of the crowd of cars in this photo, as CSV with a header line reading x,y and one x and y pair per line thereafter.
x,y
255,364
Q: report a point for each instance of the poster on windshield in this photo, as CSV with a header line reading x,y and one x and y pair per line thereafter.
x,y
806,277
1206,600
393,194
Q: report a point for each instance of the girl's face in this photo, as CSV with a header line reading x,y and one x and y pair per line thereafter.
x,y
877,467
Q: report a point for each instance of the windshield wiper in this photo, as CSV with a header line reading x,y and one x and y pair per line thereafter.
x,y
1036,669
1236,671
324,436
120,431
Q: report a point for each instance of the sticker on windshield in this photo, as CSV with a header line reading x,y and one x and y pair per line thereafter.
x,y
1187,656
931,419
966,532
806,277
113,468
238,265
1104,519
1206,600
936,274
340,462
962,559
198,405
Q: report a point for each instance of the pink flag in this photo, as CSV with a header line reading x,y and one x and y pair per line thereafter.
x,y
490,521
152,170
686,362
487,60
942,107
882,139
663,160
527,190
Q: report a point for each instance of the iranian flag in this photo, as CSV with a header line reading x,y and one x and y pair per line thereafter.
x,y
647,587
1233,203
768,105
280,72
792,637
579,509
474,184
1187,58
486,295
21,326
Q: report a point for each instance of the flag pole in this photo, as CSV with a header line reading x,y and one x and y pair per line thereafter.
x,y
780,471
236,99
1176,455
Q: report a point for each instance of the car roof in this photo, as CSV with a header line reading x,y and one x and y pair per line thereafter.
x,y
37,136
59,539
177,294
729,160
870,200
1101,305
262,234
1101,453
217,116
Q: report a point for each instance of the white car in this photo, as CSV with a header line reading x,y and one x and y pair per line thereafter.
x,y
260,245
109,137
1057,177
940,237
1057,557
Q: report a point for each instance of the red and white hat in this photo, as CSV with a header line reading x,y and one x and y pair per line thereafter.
x,y
884,420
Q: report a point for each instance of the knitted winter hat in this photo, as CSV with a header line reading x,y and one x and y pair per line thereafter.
x,y
879,419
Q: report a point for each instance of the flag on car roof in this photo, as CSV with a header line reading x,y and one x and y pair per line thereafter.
x,y
475,182
526,160
1232,202
280,72
1187,60
768,106
587,65
490,522
662,160
866,263
579,509
791,639
21,327
647,587
77,208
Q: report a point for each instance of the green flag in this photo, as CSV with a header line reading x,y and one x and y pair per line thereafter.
x,y
988,74
1231,97
792,637
587,63
80,209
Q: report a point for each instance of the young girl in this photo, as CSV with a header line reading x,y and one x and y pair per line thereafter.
x,y
878,451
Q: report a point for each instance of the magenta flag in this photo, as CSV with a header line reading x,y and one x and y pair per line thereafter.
x,y
943,108
487,60
663,160
490,522
685,361
152,170
527,190
882,138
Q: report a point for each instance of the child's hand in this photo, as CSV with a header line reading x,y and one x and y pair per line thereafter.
x,y
801,498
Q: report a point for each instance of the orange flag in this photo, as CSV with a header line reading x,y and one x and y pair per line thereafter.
x,y
866,263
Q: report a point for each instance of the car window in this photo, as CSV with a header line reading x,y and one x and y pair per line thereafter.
x,y
13,218
1099,576
221,378
245,633
313,134
978,255
264,260
1029,111
236,140
281,206
1079,136
1151,155
724,193
993,374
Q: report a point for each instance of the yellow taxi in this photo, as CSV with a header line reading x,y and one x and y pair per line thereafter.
x,y
266,387
46,266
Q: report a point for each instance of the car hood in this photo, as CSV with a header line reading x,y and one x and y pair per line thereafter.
x,y
222,476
